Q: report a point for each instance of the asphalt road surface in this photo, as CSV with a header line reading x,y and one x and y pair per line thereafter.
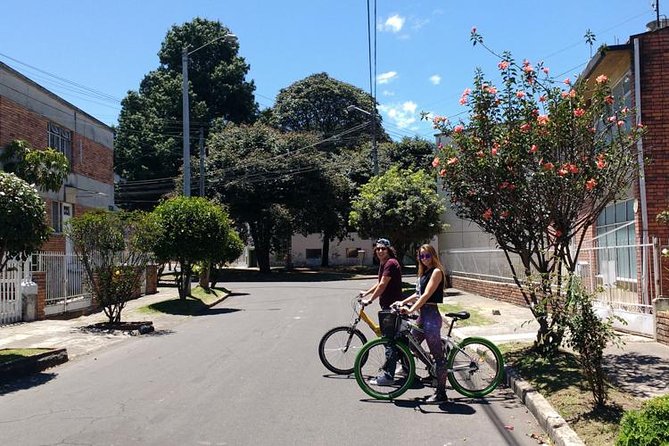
x,y
245,373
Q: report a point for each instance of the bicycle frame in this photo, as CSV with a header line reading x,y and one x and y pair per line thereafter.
x,y
361,315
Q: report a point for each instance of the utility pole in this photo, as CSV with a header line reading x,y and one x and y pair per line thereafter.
x,y
186,112
375,154
201,162
186,121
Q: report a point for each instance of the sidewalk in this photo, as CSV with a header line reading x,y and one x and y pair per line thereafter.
x,y
68,334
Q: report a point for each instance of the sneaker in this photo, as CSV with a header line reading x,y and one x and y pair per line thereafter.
x,y
437,398
382,380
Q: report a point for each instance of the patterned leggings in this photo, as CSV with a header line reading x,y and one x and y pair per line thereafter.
x,y
430,320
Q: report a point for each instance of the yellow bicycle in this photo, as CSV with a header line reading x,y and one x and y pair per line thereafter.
x,y
340,345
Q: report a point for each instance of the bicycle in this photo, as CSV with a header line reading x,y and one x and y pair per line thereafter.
x,y
339,345
475,365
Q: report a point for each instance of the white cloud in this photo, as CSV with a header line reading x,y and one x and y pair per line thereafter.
x,y
435,79
393,23
385,78
388,93
402,115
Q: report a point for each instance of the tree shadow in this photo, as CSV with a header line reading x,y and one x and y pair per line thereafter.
x,y
26,382
640,375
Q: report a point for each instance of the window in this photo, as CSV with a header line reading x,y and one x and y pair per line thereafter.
x,y
614,221
313,254
60,139
57,216
352,253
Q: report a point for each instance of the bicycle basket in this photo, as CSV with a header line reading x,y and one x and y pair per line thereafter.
x,y
388,322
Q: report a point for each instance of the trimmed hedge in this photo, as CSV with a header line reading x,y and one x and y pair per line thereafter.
x,y
648,426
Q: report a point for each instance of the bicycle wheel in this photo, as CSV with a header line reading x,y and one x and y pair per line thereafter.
x,y
371,362
338,348
475,367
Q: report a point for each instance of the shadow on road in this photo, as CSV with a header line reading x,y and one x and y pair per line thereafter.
x,y
27,382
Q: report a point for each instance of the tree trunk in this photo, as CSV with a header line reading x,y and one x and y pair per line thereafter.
x,y
325,252
204,275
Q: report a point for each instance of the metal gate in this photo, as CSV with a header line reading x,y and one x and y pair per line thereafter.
x,y
625,279
11,308
66,285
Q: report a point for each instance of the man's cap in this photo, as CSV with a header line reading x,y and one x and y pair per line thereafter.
x,y
383,242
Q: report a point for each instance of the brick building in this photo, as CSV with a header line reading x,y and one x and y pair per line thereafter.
x,y
30,112
623,253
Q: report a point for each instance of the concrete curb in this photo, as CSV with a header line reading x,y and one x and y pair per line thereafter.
x,y
33,364
554,425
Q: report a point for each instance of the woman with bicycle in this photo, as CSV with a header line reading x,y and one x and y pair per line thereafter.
x,y
431,279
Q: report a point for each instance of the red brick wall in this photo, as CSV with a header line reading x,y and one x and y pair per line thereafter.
x,y
39,277
662,327
505,292
654,75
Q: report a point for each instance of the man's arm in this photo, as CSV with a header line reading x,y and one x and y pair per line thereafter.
x,y
378,289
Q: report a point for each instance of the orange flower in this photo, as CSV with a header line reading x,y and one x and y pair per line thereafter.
x,y
458,128
487,215
548,166
601,79
435,161
579,112
590,184
542,119
452,161
525,127
503,65
534,148
442,172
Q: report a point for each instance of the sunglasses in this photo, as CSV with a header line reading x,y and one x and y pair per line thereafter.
x,y
381,249
425,256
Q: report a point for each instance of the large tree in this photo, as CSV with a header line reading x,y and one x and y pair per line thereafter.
x,y
267,178
401,205
340,114
534,166
322,104
149,139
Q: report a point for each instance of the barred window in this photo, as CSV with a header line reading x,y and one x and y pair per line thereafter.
x,y
60,139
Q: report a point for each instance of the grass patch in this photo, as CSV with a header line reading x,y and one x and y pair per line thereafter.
x,y
12,354
560,381
198,302
476,318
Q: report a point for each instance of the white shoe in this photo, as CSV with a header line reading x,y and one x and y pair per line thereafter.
x,y
400,372
382,380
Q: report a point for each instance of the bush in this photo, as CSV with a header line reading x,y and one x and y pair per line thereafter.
x,y
648,426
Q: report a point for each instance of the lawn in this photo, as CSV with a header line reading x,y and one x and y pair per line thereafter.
x,y
560,381
12,354
199,300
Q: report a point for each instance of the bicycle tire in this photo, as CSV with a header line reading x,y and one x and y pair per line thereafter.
x,y
333,350
370,362
476,367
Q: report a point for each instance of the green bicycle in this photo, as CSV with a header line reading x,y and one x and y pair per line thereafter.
x,y
475,365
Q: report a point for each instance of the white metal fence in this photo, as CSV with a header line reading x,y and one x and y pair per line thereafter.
x,y
625,278
11,305
67,288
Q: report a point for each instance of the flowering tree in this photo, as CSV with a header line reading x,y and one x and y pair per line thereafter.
x,y
534,165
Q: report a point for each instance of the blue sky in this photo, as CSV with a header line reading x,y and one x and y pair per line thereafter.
x,y
424,59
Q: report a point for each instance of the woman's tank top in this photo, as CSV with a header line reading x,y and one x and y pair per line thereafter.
x,y
438,295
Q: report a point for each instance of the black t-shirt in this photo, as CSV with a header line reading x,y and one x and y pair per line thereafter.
x,y
438,295
393,291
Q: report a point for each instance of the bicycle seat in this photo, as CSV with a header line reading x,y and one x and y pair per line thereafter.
x,y
461,315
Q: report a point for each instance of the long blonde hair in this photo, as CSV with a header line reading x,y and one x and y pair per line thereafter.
x,y
434,262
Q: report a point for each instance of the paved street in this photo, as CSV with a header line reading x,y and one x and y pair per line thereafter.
x,y
247,372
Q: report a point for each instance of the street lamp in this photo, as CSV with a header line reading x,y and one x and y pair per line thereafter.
x,y
186,112
375,157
